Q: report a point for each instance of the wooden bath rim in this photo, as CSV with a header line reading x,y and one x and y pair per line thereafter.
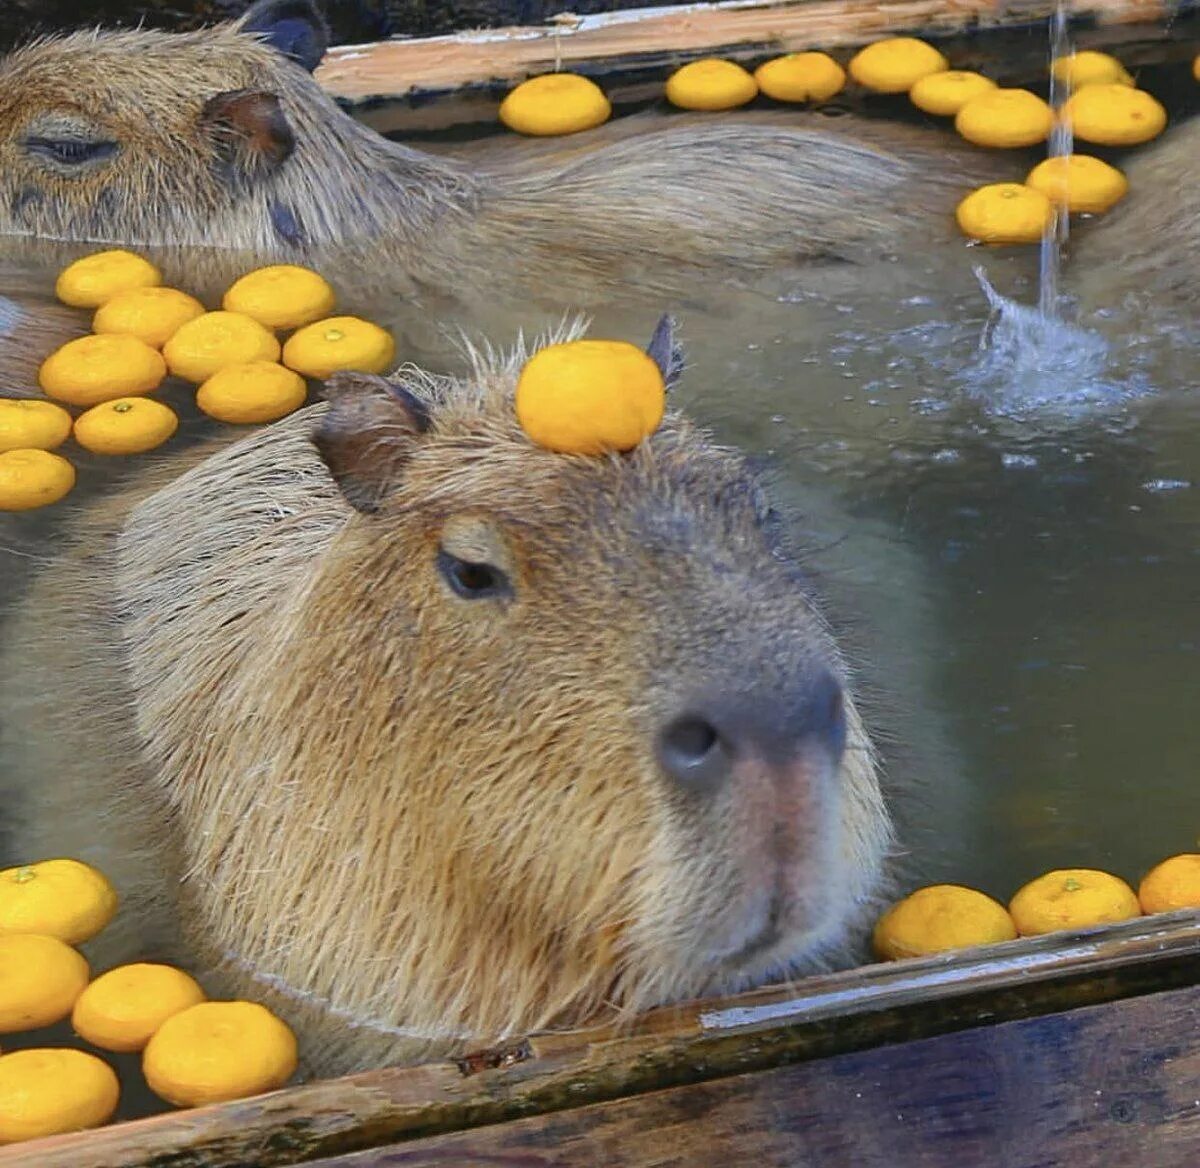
x,y
758,1032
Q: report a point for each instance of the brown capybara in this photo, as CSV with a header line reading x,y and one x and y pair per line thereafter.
x,y
428,736
1149,244
222,138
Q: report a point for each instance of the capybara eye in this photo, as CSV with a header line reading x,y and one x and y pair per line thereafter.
x,y
69,151
472,581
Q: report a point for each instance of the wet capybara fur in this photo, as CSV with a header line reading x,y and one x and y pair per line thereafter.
x,y
427,736
223,138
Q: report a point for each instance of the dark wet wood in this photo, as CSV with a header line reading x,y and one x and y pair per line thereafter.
x,y
1108,1085
817,1018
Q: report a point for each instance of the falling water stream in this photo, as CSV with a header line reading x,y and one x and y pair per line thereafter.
x,y
1054,238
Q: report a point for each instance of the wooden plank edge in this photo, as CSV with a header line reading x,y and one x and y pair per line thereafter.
x,y
396,69
815,1017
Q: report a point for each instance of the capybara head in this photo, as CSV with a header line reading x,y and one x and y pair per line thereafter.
x,y
537,732
148,137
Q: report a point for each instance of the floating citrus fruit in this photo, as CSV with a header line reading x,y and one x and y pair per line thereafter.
x,y
1114,115
33,478
1089,68
556,103
944,94
938,919
283,296
1079,182
895,65
1002,213
40,978
711,84
89,282
67,899
801,77
1072,898
1171,885
1005,118
341,342
218,1051
153,315
129,425
46,1092
27,424
216,339
123,1008
91,370
259,391
588,397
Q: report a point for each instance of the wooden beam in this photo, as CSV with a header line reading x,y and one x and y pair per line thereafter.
x,y
1114,1085
736,28
815,1018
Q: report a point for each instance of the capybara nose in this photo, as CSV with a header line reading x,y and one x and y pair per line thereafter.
x,y
700,748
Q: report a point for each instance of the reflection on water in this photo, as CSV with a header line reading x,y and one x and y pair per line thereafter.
x,y
1014,523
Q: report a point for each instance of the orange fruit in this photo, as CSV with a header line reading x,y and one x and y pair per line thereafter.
x,y
67,899
938,919
89,282
129,425
259,391
216,339
944,94
1114,115
1079,182
282,296
801,77
588,397
218,1051
1072,898
40,978
33,478
1089,68
1005,118
711,84
95,369
26,424
554,104
46,1092
1004,213
896,64
339,342
153,315
123,1008
1171,885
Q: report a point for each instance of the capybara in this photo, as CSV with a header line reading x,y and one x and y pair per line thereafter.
x,y
1149,243
223,138
428,736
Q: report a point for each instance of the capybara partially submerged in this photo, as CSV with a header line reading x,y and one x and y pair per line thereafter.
x,y
428,736
218,138
1149,244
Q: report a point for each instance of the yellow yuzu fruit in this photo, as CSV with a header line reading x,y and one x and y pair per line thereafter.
x,y
45,1092
122,1009
153,315
339,343
33,478
711,84
95,369
259,391
67,899
90,281
28,424
554,104
896,64
801,77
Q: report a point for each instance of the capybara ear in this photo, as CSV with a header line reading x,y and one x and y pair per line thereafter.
x,y
295,27
666,352
250,131
368,433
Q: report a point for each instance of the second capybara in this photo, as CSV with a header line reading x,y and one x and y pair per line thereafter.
x,y
1149,244
222,139
428,736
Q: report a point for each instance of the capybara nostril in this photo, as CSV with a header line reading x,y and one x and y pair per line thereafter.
x,y
691,753
699,748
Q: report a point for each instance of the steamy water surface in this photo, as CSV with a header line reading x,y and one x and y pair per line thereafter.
x,y
1005,508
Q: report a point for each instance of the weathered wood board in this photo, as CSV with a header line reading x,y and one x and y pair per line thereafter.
x,y
684,1047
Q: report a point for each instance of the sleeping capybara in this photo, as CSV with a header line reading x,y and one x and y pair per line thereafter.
x,y
428,736
221,138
